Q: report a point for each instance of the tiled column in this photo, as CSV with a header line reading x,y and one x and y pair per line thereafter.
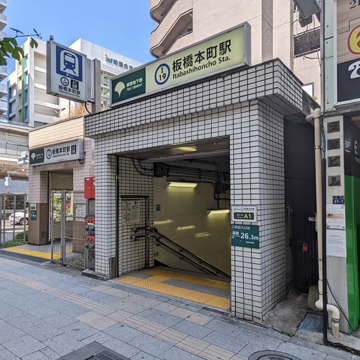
x,y
132,183
80,171
38,191
105,210
257,178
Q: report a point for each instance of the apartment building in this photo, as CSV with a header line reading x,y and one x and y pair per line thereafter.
x,y
275,32
3,69
28,102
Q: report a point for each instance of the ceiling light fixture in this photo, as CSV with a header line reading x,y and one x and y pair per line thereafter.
x,y
218,211
182,184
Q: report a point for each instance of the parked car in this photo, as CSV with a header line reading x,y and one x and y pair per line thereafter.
x,y
19,218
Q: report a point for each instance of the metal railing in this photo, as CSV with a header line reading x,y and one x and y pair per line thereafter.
x,y
13,219
182,252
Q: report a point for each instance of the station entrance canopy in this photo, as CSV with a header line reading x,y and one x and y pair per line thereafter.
x,y
224,51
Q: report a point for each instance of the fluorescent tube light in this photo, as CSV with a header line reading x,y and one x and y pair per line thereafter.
x,y
182,184
218,211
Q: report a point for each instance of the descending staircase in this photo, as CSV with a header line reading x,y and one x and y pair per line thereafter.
x,y
180,251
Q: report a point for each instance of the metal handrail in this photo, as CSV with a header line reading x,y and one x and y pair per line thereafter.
x,y
185,254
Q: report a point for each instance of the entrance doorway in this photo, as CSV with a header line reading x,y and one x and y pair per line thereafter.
x,y
61,221
183,184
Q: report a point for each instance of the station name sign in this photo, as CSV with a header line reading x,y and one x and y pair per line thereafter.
x,y
68,73
66,151
224,51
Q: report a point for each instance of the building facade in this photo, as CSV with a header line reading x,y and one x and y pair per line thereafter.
x,y
44,178
28,103
3,69
231,120
13,141
275,32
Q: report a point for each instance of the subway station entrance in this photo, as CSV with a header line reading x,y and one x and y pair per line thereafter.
x,y
225,138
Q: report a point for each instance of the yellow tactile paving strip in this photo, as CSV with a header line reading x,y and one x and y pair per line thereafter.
x,y
102,316
155,283
40,254
190,278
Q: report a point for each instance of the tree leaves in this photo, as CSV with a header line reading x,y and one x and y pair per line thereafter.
x,y
10,48
33,43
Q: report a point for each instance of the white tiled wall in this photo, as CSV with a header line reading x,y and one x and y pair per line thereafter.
x,y
246,107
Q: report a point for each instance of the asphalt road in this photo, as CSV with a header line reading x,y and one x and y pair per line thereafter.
x,y
10,230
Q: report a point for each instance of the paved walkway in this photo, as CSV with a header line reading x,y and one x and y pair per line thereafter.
x,y
201,288
48,311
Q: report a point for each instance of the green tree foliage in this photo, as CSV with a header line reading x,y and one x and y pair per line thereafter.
x,y
9,46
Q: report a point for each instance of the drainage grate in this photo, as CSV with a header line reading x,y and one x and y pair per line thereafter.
x,y
272,355
312,323
93,351
106,355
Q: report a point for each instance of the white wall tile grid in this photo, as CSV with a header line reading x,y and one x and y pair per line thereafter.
x,y
271,79
132,253
255,130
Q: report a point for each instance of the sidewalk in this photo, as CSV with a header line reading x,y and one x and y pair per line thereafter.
x,y
48,311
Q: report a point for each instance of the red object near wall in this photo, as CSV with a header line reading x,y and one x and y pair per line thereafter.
x,y
90,238
89,187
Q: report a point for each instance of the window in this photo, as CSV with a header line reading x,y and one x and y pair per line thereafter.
x,y
307,42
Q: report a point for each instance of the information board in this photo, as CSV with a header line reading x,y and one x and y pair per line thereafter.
x,y
245,236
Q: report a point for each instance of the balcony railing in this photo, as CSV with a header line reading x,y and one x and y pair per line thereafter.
x,y
3,72
160,8
3,106
3,21
3,90
177,22
3,5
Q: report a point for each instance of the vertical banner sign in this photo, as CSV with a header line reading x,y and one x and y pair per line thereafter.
x,y
351,149
224,51
348,50
65,72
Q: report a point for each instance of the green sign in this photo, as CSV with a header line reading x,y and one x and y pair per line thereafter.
x,y
221,52
33,215
245,236
128,86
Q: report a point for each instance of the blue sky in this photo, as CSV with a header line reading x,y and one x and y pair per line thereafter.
x,y
119,25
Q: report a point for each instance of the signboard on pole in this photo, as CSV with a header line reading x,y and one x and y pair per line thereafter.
x,y
68,73
70,150
218,53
